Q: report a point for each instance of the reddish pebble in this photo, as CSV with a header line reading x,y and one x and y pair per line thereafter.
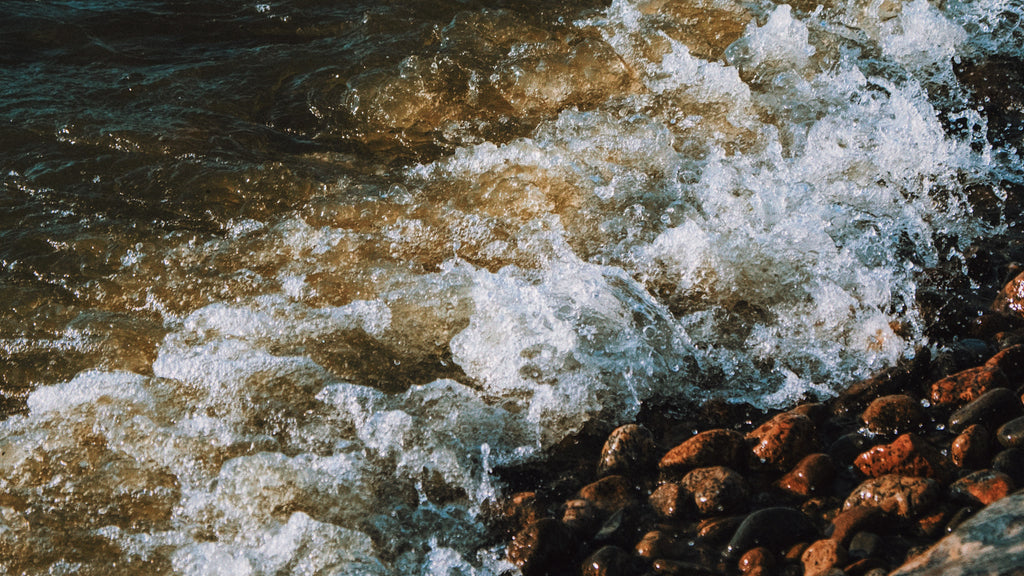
x,y
849,522
908,455
581,516
983,487
759,558
716,490
904,496
670,501
1010,299
782,441
629,449
821,556
719,447
893,414
1010,361
607,561
967,385
656,544
810,475
539,547
972,448
609,494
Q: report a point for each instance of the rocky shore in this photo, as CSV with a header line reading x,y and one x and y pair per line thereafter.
x,y
916,470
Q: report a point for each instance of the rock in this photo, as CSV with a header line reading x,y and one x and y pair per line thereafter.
x,y
716,490
1010,299
581,516
1010,361
904,496
757,559
864,566
982,487
517,511
629,449
966,385
680,568
539,548
822,556
849,522
989,544
620,528
816,411
1011,463
609,494
972,448
848,446
908,455
1011,434
607,561
893,414
719,447
657,544
670,501
992,408
782,441
864,545
716,530
775,528
809,476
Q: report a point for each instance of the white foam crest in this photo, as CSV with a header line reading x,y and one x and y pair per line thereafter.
x,y
921,36
92,386
780,44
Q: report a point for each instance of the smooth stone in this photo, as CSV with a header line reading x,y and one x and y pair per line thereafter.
x,y
848,446
967,385
849,522
972,447
989,544
864,545
657,544
908,455
581,516
783,441
991,408
982,487
669,567
609,494
774,528
822,556
629,449
1010,299
718,447
904,496
809,476
539,548
863,567
1011,434
607,561
1011,463
716,530
759,558
1010,360
893,414
670,501
716,490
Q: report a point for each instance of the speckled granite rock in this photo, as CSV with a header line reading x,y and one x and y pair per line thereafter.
x,y
989,544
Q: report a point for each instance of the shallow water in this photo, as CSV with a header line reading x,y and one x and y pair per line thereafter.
x,y
287,281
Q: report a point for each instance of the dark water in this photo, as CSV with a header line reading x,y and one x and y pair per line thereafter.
x,y
283,281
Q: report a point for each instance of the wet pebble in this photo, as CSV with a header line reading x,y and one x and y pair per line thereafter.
x,y
864,545
992,408
783,440
1011,434
972,447
775,528
629,449
607,561
1011,463
716,490
904,496
680,568
670,501
657,544
809,476
718,447
756,560
966,385
893,414
717,530
1010,299
609,494
982,487
581,516
908,455
1010,360
822,556
539,548
849,522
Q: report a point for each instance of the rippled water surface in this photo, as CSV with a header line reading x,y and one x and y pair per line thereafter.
x,y
285,282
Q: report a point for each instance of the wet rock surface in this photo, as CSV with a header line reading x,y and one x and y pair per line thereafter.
x,y
914,470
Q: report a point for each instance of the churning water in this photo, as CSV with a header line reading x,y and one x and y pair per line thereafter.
x,y
284,282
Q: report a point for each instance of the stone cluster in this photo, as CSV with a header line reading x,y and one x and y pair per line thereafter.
x,y
860,485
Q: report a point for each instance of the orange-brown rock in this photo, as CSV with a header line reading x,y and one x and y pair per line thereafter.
x,y
849,522
628,449
609,494
822,556
893,414
782,441
716,490
539,547
757,559
606,561
1010,361
657,544
670,501
972,448
581,516
809,476
1010,299
719,447
908,455
982,487
967,385
903,496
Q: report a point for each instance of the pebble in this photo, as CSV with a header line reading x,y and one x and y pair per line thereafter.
x,y
629,449
893,414
992,408
966,385
849,522
908,455
657,544
680,568
1011,463
864,544
822,556
1011,434
718,447
609,494
1010,299
809,476
670,501
863,566
607,561
972,448
1010,361
581,516
848,446
757,559
717,530
783,440
982,487
904,496
716,490
775,528
539,548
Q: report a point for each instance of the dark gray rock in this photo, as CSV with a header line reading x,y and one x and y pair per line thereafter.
x,y
1011,434
773,528
992,409
989,544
